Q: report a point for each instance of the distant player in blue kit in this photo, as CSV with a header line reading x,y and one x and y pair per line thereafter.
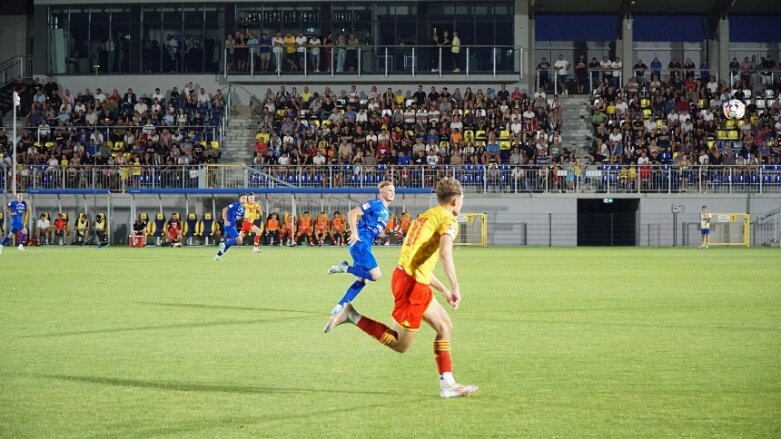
x,y
367,222
232,214
16,209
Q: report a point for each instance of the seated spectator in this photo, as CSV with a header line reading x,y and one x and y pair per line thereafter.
x,y
173,235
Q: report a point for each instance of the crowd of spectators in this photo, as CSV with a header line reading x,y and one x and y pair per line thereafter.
x,y
414,127
66,130
677,119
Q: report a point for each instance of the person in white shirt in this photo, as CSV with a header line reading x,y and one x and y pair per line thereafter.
x,y
277,48
314,50
44,230
561,66
159,96
203,98
616,66
301,42
99,95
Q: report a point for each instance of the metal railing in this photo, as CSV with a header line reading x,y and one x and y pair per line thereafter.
x,y
191,133
609,179
374,60
15,67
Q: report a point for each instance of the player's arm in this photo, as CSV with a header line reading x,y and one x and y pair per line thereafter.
x,y
225,216
352,219
449,267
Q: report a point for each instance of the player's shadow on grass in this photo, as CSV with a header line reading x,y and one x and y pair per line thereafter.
x,y
169,326
228,307
181,386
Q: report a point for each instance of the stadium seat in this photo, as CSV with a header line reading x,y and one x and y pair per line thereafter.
x,y
214,144
207,227
190,227
158,228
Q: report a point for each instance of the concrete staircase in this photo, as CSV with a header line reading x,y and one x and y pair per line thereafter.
x,y
577,123
238,145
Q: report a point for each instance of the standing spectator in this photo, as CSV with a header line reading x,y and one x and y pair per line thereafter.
x,y
314,50
278,49
455,51
594,67
353,45
447,47
562,70
265,52
581,74
542,73
253,43
301,43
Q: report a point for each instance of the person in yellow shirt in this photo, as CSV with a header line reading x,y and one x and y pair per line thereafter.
x,y
430,239
290,51
252,223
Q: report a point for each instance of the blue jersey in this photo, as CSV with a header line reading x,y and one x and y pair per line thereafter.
x,y
17,208
235,212
373,222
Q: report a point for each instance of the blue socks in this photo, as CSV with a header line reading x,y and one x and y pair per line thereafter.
x,y
5,240
22,238
353,291
230,242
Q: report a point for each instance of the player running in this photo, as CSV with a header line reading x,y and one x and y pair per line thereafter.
x,y
252,215
430,238
366,221
232,214
16,209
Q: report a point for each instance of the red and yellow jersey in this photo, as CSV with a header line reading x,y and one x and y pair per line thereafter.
x,y
288,224
252,212
338,223
406,221
272,225
305,221
419,252
321,222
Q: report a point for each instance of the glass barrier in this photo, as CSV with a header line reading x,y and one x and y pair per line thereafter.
x,y
374,60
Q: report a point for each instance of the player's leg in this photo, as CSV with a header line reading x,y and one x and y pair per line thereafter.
x,y
439,320
256,240
21,238
231,239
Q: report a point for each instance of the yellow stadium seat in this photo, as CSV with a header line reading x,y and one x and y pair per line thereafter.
x,y
647,113
504,144
645,103
721,134
118,146
740,123
214,144
49,144
732,134
109,143
37,144
659,124
710,143
469,135
729,123
480,134
280,113
504,134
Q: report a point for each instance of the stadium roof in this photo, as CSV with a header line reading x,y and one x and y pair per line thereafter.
x,y
734,7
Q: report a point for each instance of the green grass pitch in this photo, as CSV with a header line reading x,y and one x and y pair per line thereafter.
x,y
162,342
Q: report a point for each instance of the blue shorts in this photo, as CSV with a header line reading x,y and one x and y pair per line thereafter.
x,y
230,232
17,227
362,255
705,232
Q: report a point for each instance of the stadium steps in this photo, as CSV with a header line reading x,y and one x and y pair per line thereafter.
x,y
238,145
577,123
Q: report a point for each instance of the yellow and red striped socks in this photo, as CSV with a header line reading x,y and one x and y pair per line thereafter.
x,y
442,356
377,330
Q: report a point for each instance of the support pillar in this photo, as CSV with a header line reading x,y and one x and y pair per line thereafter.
x,y
524,38
627,48
723,43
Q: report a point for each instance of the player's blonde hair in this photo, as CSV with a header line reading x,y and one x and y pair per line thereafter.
x,y
384,183
447,188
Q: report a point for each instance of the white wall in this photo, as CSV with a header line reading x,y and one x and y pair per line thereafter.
x,y
512,218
